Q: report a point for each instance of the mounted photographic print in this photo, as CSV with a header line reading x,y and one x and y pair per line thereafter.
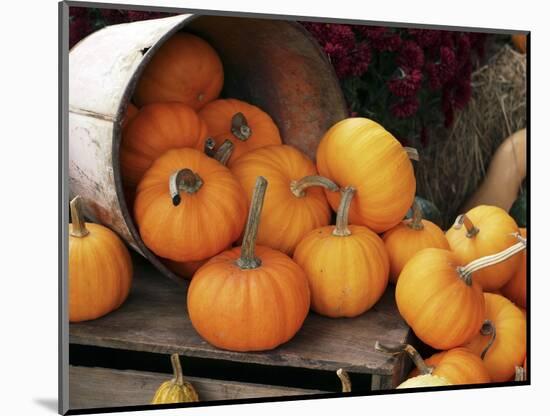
x,y
266,208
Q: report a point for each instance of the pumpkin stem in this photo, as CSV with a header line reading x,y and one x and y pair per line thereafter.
x,y
341,228
412,153
240,128
78,228
423,368
248,259
298,188
520,374
183,180
225,151
488,328
471,229
176,367
416,221
465,272
209,145
344,378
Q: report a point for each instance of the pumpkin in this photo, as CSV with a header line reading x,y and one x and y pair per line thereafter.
x,y
185,69
185,269
424,380
176,390
249,298
245,125
520,42
100,268
408,238
156,129
359,152
344,379
188,206
482,231
295,203
430,211
516,288
503,347
131,112
347,266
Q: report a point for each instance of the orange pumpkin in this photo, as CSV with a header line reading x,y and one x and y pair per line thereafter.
x,y
482,231
185,69
185,269
347,266
245,125
100,269
131,112
295,204
156,129
504,347
249,298
188,206
458,365
520,42
516,288
409,237
359,152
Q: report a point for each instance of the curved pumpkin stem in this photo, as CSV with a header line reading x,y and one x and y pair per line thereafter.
x,y
344,378
240,127
423,368
521,375
183,180
209,146
225,151
412,153
416,221
488,328
78,228
176,367
471,229
342,215
248,259
298,188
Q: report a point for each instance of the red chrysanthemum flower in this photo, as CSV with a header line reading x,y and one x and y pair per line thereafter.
x,y
406,83
426,38
362,56
79,28
387,43
371,32
405,107
410,55
76,12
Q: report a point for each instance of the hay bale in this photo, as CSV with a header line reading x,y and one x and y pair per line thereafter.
x,y
450,170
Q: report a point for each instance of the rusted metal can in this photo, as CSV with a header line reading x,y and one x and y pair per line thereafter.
x,y
273,64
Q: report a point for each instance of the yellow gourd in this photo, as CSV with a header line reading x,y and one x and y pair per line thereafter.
x,y
176,390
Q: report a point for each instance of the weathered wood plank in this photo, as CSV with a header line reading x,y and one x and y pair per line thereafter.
x,y
103,387
155,319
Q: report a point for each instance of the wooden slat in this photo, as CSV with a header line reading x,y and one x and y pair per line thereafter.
x,y
155,319
103,387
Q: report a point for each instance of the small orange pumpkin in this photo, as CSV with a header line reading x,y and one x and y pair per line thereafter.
x,y
185,69
347,266
516,288
359,152
409,237
100,268
520,42
245,125
294,203
249,298
156,129
482,231
458,365
504,347
188,206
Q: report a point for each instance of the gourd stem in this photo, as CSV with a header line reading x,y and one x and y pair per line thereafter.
x,y
488,328
465,272
209,146
176,367
412,153
520,374
248,259
471,229
78,228
344,378
423,368
416,221
298,188
183,180
240,128
342,215
225,151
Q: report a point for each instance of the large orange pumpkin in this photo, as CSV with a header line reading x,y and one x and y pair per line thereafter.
x,y
185,69
100,268
347,266
295,203
188,206
409,237
482,231
246,125
359,152
516,288
131,112
249,298
156,129
508,346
